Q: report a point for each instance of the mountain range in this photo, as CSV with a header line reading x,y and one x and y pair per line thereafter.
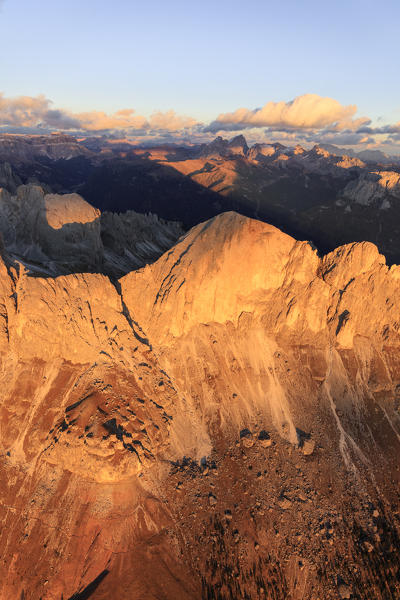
x,y
313,194
197,408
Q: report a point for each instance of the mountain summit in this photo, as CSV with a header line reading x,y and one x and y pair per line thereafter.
x,y
223,422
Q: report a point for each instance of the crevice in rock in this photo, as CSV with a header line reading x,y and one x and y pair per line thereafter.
x,y
132,323
342,319
86,593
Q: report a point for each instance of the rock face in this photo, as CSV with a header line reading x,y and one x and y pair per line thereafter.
x,y
21,149
62,233
222,423
8,180
43,227
374,187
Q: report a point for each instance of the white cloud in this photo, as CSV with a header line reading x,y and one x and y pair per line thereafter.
x,y
170,121
27,111
309,111
100,121
308,119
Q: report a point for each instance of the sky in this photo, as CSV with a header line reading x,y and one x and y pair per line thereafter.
x,y
191,70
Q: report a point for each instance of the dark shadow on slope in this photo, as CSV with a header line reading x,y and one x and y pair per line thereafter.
x,y
301,204
302,437
143,185
61,176
91,588
146,186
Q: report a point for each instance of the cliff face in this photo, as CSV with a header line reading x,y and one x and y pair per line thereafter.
x,y
223,423
55,234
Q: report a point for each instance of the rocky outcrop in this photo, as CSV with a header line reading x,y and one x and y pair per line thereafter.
x,y
131,240
44,227
62,233
221,423
349,162
374,188
8,179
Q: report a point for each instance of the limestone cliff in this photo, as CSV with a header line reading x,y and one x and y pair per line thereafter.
x,y
55,234
222,423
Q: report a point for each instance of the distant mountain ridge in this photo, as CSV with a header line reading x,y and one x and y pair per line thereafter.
x,y
20,148
324,193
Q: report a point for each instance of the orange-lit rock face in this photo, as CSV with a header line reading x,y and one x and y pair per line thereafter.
x,y
214,173
224,421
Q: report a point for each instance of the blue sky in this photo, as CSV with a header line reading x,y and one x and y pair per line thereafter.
x,y
201,58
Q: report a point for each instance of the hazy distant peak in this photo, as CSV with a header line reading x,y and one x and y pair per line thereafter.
x,y
224,147
239,143
320,151
336,150
298,150
366,155
373,156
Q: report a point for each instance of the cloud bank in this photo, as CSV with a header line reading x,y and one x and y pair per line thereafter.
x,y
37,112
309,111
307,119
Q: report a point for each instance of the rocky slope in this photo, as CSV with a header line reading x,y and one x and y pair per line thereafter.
x,y
223,423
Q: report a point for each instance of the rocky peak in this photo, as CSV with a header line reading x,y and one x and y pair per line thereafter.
x,y
204,261
8,179
298,150
62,233
320,151
263,150
235,403
218,146
238,145
223,147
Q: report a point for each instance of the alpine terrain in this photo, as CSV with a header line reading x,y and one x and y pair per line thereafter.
x,y
195,413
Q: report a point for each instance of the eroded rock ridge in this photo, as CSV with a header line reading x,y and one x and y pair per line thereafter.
x,y
221,423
